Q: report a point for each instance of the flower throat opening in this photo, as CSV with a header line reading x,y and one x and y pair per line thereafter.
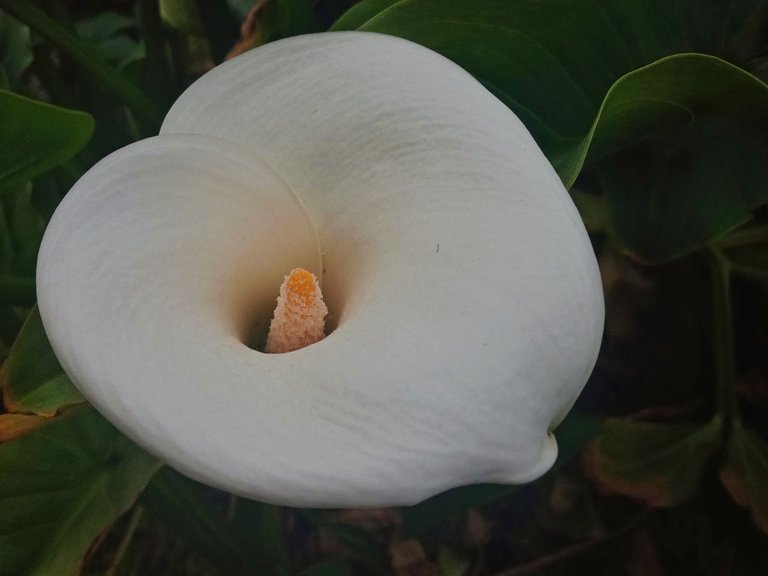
x,y
299,318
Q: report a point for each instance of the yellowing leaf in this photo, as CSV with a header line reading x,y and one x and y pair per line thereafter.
x,y
32,378
61,485
15,425
658,463
745,473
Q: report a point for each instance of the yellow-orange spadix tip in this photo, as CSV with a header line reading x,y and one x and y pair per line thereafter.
x,y
300,314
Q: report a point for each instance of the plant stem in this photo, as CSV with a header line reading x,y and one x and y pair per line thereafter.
x,y
231,508
568,552
720,270
85,55
133,523
745,236
750,272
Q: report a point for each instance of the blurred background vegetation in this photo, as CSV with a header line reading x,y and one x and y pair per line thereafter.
x,y
655,116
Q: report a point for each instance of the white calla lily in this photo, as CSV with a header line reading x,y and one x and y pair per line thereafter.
x,y
464,295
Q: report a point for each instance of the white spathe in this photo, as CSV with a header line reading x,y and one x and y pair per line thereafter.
x,y
463,287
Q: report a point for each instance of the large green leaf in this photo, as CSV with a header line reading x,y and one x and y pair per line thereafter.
x,y
241,540
693,134
658,463
21,231
265,537
360,13
602,77
15,48
553,62
669,195
86,55
32,378
745,473
35,137
669,94
25,227
190,510
286,18
574,432
61,485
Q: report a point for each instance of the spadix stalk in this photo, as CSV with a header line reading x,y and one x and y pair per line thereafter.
x,y
465,306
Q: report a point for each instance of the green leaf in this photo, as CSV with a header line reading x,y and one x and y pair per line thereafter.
x,y
86,55
608,76
671,93
745,473
114,34
240,8
189,508
61,485
452,563
104,25
698,170
242,540
263,536
182,15
220,25
35,137
286,18
574,432
670,196
15,48
552,64
32,378
359,14
26,227
658,463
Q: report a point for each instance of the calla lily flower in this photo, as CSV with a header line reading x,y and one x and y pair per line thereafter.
x,y
465,305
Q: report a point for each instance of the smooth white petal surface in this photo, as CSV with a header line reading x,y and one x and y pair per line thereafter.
x,y
463,287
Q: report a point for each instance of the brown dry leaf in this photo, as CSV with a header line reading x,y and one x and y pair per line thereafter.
x,y
478,529
409,559
15,425
369,518
658,463
252,32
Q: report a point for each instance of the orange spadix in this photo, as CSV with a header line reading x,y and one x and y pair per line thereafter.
x,y
300,314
